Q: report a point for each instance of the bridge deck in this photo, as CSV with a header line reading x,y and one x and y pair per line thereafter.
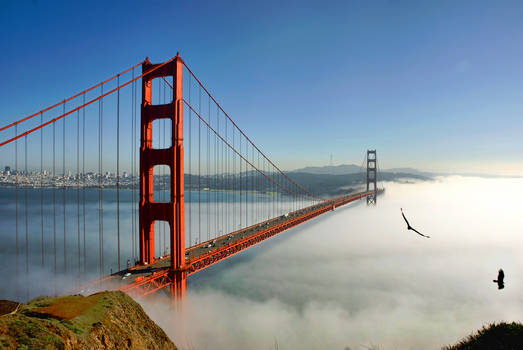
x,y
210,252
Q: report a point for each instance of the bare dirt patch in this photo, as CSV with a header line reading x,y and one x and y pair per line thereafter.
x,y
7,306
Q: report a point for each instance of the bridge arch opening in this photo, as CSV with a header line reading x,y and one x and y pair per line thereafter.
x,y
162,133
161,90
161,239
162,184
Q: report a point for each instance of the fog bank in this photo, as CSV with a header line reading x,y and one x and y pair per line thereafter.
x,y
356,277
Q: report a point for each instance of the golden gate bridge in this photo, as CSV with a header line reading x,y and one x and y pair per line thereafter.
x,y
189,188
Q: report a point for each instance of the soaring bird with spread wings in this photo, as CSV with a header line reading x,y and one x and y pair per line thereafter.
x,y
500,280
410,227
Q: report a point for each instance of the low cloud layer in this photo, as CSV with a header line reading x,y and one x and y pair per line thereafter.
x,y
356,277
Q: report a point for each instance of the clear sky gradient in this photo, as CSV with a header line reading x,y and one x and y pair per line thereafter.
x,y
432,85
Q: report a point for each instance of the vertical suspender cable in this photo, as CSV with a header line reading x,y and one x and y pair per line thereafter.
x,y
199,167
216,179
100,218
255,196
83,181
63,190
166,227
269,194
118,168
54,202
158,171
133,199
78,189
208,173
136,171
131,231
163,187
164,184
215,229
248,176
241,184
42,186
99,190
240,180
190,166
278,202
259,192
277,193
16,214
253,193
26,222
237,187
246,185
217,150
101,187
227,227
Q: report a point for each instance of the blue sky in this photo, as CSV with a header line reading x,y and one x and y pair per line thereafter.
x,y
432,85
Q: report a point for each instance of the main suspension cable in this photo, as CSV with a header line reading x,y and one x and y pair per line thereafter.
x,y
68,99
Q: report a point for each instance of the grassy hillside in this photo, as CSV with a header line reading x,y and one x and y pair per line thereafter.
x,y
106,320
506,336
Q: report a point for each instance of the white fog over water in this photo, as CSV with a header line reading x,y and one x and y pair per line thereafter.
x,y
356,278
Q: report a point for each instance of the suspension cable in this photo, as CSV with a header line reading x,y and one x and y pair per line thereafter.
x,y
238,153
247,138
67,99
85,104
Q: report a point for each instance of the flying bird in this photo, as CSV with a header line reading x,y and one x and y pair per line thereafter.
x,y
499,281
410,227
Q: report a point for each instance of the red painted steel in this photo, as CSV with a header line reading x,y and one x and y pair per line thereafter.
x,y
174,211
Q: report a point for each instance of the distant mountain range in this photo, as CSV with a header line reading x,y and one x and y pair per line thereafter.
x,y
345,169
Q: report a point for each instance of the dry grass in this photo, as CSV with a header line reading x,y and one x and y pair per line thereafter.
x,y
69,307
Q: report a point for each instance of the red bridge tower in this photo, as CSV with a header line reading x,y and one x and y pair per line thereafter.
x,y
173,211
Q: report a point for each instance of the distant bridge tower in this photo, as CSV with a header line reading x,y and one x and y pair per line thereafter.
x,y
371,176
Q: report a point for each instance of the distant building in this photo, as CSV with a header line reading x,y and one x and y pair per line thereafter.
x,y
7,169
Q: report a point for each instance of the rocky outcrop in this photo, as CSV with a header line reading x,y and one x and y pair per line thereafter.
x,y
106,320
